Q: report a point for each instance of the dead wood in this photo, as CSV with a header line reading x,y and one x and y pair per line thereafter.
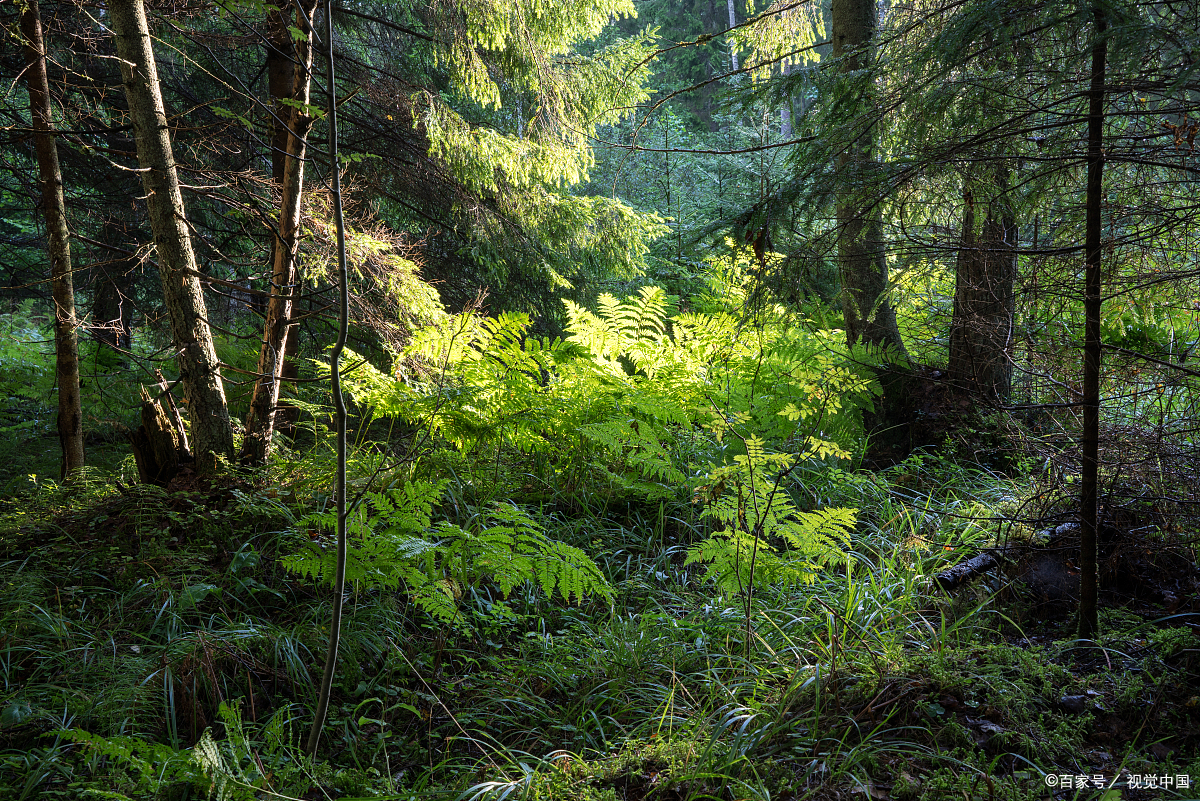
x,y
159,444
965,571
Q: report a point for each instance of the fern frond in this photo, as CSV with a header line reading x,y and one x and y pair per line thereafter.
x,y
156,765
398,547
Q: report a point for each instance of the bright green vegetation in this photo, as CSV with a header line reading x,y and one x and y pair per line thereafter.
x,y
583,569
683,360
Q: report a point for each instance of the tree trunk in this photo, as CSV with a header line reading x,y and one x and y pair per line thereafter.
x,y
339,402
732,48
66,342
868,314
279,57
1089,496
785,111
112,307
287,414
112,313
981,331
190,333
281,79
260,422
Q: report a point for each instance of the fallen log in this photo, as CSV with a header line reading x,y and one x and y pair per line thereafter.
x,y
965,571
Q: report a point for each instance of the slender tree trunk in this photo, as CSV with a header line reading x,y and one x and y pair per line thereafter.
x,y
732,22
281,66
66,343
981,330
339,588
785,111
112,312
287,414
106,311
862,263
190,333
1089,496
112,308
260,423
282,61
869,316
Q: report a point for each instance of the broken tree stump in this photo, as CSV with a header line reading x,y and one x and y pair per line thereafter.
x,y
159,444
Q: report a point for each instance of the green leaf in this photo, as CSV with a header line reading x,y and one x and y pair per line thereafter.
x,y
15,713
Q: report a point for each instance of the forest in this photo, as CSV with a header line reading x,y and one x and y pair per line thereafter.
x,y
599,400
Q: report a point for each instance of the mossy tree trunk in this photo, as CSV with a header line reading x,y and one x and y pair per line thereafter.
x,y
66,341
182,291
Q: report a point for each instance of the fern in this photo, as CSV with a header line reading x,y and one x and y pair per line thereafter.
x,y
395,545
233,765
612,401
515,550
748,502
156,766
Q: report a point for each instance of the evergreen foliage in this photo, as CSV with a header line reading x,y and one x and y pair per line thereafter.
x,y
606,429
502,101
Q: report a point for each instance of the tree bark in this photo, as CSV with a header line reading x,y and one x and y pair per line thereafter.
x,y
732,48
287,414
111,313
869,316
159,444
260,422
785,111
190,332
66,341
1089,496
281,78
984,302
862,263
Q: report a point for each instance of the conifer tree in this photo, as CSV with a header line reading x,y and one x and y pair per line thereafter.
x,y
190,331
866,308
295,123
66,343
1089,492
479,126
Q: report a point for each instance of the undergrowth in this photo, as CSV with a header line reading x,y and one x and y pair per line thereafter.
x,y
567,582
171,668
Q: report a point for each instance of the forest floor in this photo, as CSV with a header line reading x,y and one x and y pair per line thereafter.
x,y
136,619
